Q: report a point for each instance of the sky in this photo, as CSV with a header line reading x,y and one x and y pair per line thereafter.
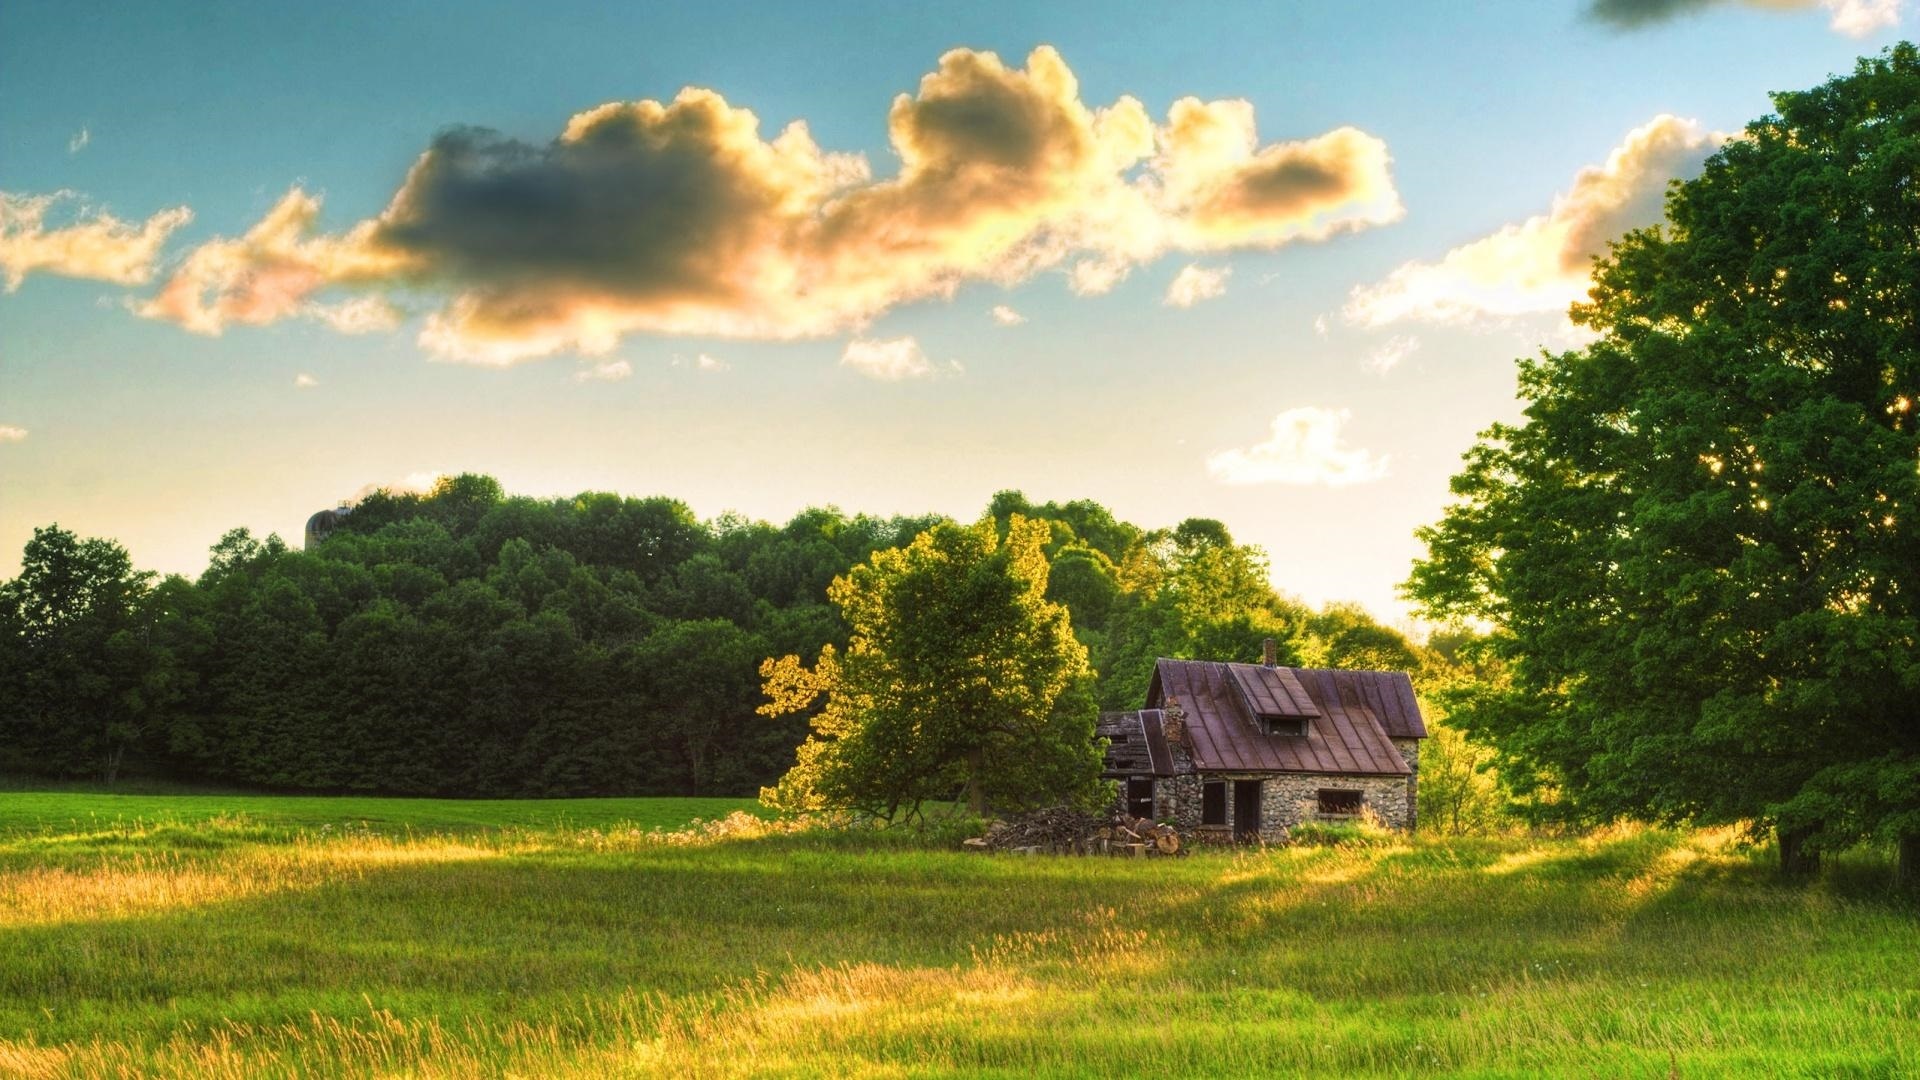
x,y
1270,263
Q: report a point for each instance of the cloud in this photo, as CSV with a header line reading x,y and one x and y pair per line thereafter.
x,y
1195,283
1855,18
79,141
893,359
304,381
605,371
95,245
268,273
414,483
360,315
1006,316
10,433
1388,356
1304,448
1545,263
680,218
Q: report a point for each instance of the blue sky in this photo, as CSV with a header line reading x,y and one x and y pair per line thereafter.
x,y
881,391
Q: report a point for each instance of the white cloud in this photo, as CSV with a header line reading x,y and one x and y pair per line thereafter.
x,y
304,381
1863,18
1004,172
361,315
1544,264
1195,283
1388,356
605,371
1304,448
95,245
893,359
10,433
79,141
703,362
414,483
1006,316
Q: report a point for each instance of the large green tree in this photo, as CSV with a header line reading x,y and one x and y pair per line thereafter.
x,y
1702,548
960,676
83,683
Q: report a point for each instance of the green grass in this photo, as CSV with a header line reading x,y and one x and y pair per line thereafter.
x,y
224,946
68,811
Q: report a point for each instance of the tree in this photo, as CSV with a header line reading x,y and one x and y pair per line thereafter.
x,y
1702,548
84,681
959,676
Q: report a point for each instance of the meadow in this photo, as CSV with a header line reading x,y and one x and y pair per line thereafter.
x,y
211,935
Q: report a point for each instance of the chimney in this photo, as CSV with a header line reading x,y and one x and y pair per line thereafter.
x,y
1268,654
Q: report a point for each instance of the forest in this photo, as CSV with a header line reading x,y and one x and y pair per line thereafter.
x,y
464,642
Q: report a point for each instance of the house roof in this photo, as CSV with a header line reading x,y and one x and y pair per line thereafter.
x,y
1355,716
1136,743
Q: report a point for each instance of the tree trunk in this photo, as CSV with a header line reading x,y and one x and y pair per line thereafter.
x,y
1795,860
1906,867
976,801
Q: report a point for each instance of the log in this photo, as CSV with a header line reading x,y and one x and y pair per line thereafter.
x,y
1168,843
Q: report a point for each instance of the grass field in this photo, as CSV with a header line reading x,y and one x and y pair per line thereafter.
x,y
243,937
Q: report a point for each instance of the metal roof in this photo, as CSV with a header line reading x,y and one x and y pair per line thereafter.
x,y
1356,715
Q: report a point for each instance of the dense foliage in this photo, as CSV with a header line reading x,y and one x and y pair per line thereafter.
x,y
959,675
463,642
1701,549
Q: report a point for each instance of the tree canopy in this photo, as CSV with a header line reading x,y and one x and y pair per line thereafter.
x,y
959,675
1701,550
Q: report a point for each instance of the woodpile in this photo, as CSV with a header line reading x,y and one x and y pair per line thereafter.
x,y
1064,831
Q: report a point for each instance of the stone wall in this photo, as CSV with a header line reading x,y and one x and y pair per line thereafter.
x,y
1286,800
1410,753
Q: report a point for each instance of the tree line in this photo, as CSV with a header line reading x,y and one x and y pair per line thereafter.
x,y
463,642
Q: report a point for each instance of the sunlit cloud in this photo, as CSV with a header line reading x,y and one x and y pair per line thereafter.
x,y
1006,316
79,141
605,371
360,315
10,433
680,218
1854,18
1305,447
93,244
1545,263
1388,356
1195,283
304,381
413,483
893,360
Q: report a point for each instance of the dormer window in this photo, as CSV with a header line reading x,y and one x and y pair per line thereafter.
x,y
1284,725
1274,698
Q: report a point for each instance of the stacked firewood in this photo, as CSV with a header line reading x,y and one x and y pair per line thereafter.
x,y
1064,831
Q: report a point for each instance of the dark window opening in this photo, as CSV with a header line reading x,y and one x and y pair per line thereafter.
x,y
1339,801
1285,725
1119,740
1140,796
1213,802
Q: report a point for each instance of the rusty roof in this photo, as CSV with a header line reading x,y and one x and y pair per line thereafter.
x,y
1136,743
1357,714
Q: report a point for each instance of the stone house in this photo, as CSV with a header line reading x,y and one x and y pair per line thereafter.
x,y
1244,752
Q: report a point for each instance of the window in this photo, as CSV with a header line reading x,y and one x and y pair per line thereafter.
x,y
1340,802
1213,803
1119,740
1140,796
1285,725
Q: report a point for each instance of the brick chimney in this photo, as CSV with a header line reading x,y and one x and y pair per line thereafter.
x,y
1269,655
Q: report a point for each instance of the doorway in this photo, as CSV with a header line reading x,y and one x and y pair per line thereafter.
x,y
1246,810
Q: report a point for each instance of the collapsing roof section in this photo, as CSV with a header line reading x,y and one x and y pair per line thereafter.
x,y
1355,716
1136,743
